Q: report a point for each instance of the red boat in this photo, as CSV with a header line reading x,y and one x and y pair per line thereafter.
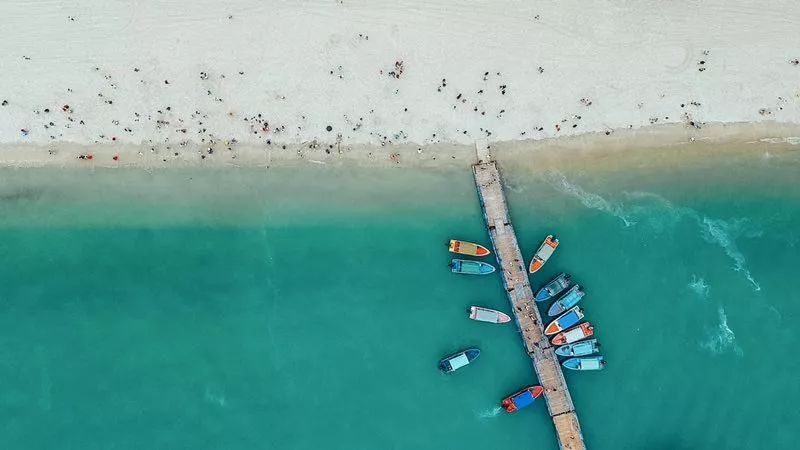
x,y
522,398
574,334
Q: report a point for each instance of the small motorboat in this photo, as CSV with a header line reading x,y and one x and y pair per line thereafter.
x,y
554,287
458,360
582,348
575,334
567,301
467,248
482,314
589,363
544,253
471,267
564,321
521,399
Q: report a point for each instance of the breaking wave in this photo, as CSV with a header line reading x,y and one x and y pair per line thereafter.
x,y
722,337
699,287
589,199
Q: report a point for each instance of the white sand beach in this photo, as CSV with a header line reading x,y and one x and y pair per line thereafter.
x,y
244,82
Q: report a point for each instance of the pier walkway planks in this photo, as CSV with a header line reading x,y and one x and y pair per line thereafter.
x,y
520,294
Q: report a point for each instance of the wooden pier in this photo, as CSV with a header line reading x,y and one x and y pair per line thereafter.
x,y
520,294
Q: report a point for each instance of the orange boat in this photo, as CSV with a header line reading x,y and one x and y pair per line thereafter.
x,y
572,317
522,398
543,254
574,334
468,248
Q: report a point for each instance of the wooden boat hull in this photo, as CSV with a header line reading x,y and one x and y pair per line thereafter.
x,y
543,254
575,334
470,267
588,363
522,399
467,248
458,360
554,287
564,321
482,314
582,348
567,301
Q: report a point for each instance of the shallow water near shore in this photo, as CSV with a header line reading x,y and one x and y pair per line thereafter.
x,y
307,308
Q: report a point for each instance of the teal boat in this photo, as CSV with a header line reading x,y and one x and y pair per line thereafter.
x,y
471,267
589,363
579,348
567,301
554,287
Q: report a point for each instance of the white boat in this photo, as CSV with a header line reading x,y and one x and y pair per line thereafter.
x,y
574,334
458,360
543,254
482,314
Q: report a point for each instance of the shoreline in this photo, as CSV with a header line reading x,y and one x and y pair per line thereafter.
x,y
237,191
651,145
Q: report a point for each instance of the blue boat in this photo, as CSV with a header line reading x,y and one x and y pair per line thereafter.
x,y
458,360
590,363
583,348
522,399
554,287
567,301
471,267
564,321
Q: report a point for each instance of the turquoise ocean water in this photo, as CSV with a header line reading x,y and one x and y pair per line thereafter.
x,y
307,308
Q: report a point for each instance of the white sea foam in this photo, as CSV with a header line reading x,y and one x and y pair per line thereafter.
x,y
722,233
655,210
589,199
715,231
791,140
722,338
489,413
217,399
513,186
699,287
659,213
775,311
